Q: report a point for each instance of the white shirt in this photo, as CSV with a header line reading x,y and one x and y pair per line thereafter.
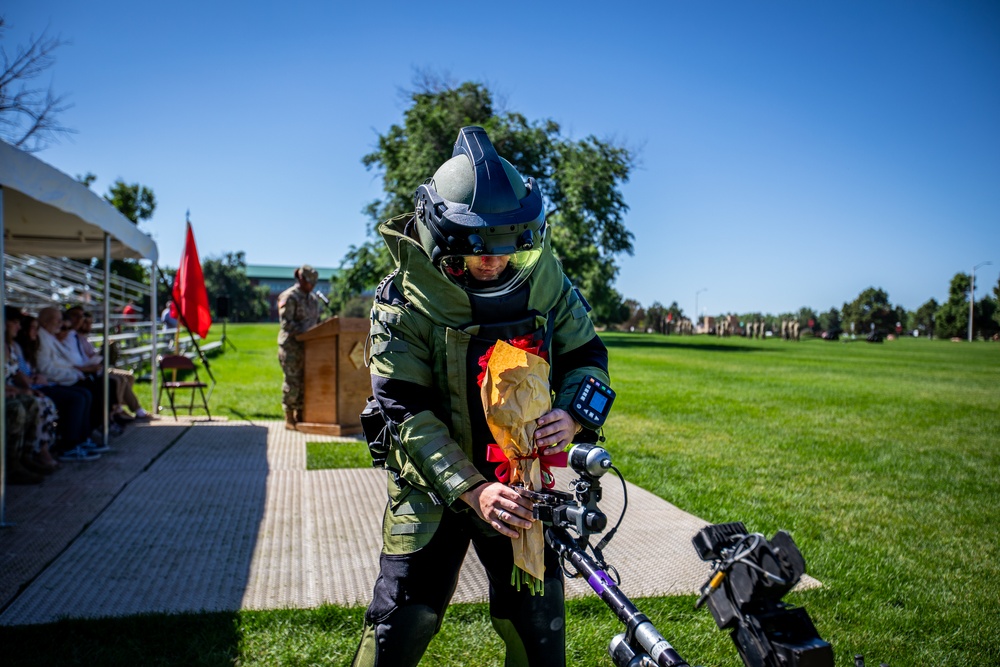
x,y
54,361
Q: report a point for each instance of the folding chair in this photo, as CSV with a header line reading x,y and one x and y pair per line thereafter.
x,y
169,384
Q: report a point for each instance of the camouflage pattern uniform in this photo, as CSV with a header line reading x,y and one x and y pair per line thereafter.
x,y
297,312
22,426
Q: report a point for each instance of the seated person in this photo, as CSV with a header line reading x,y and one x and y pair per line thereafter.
x,y
82,322
38,458
169,316
21,414
56,363
72,403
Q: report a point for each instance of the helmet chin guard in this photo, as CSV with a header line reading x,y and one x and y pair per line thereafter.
x,y
494,219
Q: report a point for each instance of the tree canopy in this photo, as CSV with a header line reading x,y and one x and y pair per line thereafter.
x,y
227,276
580,181
923,318
952,318
996,302
137,203
872,307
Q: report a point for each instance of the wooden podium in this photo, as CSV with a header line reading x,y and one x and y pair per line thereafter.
x,y
337,384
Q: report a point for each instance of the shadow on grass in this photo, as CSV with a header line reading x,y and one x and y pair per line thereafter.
x,y
153,639
210,639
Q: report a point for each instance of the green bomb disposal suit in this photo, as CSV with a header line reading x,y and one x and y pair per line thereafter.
x,y
426,339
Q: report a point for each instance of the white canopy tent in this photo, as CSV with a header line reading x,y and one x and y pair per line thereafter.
x,y
45,212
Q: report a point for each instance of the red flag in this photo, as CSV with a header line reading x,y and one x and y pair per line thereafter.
x,y
189,289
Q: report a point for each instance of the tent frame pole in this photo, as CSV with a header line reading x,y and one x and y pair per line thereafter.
x,y
3,395
107,327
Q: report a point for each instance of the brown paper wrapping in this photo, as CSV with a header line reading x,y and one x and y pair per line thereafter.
x,y
515,393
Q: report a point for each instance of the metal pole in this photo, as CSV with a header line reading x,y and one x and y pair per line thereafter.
x,y
156,323
107,320
3,395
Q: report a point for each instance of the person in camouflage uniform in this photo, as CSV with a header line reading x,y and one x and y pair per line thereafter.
x,y
22,423
298,311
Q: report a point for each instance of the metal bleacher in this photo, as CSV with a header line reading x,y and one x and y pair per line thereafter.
x,y
33,282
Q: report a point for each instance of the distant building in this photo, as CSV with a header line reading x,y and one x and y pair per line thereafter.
x,y
279,278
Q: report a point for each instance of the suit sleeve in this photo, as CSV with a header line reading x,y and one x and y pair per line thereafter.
x,y
577,349
402,381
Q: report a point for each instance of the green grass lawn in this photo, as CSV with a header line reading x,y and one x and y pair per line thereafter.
x,y
249,377
881,460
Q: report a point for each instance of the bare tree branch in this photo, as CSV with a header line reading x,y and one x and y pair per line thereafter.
x,y
29,112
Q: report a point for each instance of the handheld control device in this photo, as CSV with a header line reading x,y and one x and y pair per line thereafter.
x,y
592,402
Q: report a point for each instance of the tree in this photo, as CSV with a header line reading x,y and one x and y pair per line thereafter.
x,y
137,203
656,317
29,112
986,322
871,307
923,318
579,180
996,300
636,318
952,318
676,314
830,321
227,276
361,269
808,319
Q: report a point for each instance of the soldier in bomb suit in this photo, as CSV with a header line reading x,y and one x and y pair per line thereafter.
x,y
298,311
462,282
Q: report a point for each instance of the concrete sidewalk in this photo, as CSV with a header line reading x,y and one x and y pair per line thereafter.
x,y
217,516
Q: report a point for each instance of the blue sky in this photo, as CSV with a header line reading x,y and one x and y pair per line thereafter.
x,y
791,154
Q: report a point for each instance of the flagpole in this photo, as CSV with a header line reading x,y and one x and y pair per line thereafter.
x,y
183,275
181,320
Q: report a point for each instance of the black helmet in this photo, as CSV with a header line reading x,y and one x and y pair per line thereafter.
x,y
477,205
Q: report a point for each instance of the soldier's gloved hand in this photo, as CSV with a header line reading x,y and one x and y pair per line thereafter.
x,y
500,506
555,431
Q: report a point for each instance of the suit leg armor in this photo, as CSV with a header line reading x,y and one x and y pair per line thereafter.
x,y
413,590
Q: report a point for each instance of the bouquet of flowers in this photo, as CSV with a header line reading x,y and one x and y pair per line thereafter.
x,y
515,392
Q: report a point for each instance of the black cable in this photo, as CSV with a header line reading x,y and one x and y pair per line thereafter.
x,y
611,533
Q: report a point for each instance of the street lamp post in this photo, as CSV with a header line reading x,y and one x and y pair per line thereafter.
x,y
696,316
972,295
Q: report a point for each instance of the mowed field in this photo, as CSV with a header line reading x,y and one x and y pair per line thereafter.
x,y
880,460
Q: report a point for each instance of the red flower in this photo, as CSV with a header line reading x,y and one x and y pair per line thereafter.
x,y
526,342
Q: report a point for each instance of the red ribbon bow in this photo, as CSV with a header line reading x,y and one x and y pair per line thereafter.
x,y
494,454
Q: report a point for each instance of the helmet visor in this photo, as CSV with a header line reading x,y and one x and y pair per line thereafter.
x,y
490,275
